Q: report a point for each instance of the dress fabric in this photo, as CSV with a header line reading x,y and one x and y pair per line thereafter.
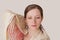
x,y
14,31
42,36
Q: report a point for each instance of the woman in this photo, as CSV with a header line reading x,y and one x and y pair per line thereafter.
x,y
33,17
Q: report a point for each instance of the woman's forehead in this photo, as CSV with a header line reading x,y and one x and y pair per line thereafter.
x,y
34,12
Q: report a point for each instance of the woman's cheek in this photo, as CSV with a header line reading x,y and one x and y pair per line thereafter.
x,y
38,22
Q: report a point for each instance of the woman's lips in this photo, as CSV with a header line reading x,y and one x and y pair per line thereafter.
x,y
34,25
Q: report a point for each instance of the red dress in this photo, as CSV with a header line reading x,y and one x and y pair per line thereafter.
x,y
13,32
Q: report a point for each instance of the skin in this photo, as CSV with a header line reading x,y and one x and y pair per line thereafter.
x,y
33,19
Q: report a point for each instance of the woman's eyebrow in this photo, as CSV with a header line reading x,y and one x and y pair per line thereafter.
x,y
29,15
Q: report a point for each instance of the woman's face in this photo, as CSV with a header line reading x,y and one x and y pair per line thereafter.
x,y
33,19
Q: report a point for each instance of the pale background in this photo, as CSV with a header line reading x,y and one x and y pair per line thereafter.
x,y
51,20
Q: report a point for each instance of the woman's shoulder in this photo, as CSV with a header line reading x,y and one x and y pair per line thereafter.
x,y
45,36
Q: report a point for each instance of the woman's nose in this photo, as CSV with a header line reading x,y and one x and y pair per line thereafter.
x,y
34,20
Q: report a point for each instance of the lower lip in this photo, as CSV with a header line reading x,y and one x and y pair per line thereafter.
x,y
34,25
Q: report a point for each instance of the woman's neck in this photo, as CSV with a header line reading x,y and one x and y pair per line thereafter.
x,y
34,32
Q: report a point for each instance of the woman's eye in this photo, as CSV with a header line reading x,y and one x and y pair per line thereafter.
x,y
38,17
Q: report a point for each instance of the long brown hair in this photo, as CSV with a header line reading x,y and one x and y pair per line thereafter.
x,y
33,6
